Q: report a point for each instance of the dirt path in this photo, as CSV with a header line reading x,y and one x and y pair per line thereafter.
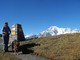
x,y
30,57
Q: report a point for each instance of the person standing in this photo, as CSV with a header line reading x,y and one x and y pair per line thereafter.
x,y
5,36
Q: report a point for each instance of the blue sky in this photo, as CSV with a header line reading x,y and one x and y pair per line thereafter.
x,y
38,15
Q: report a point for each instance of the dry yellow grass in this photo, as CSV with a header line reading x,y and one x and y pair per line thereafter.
x,y
7,56
62,47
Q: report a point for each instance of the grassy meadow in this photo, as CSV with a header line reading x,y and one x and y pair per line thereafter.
x,y
61,47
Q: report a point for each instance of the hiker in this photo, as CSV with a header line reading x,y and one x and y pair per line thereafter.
x,y
5,36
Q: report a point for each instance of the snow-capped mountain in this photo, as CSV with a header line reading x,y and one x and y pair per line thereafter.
x,y
31,36
53,30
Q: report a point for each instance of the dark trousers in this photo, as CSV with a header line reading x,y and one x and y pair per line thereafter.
x,y
5,42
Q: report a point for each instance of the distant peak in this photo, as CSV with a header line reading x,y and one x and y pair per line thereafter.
x,y
52,31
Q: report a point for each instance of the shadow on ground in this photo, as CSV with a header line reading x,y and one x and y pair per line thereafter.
x,y
26,49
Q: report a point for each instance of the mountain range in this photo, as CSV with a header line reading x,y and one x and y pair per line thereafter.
x,y
52,31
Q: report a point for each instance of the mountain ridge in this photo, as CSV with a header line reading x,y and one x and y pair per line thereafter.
x,y
52,31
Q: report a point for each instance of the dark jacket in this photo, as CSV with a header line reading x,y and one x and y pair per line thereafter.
x,y
6,30
5,37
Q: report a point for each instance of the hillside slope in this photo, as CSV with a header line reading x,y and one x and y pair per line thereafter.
x,y
61,47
